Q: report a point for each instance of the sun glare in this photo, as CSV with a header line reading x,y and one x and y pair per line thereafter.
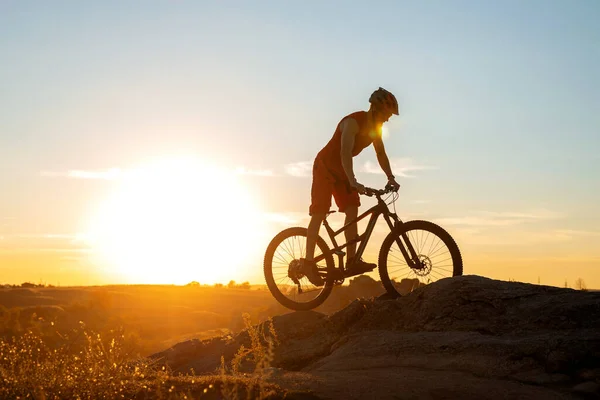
x,y
175,221
385,132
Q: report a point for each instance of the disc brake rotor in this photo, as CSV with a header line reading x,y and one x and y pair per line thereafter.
x,y
424,267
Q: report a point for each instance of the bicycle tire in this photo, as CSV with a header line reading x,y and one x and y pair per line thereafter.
x,y
325,290
407,227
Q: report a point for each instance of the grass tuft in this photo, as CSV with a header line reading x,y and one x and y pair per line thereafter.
x,y
87,365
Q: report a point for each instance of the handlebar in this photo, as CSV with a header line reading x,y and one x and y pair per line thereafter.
x,y
379,192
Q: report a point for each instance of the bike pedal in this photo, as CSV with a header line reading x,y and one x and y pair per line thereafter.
x,y
337,275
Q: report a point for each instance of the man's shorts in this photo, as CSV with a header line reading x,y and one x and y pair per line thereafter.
x,y
326,183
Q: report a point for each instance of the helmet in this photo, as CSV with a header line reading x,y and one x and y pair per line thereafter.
x,y
381,98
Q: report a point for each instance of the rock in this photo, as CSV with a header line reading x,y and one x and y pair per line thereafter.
x,y
589,387
539,377
558,361
388,296
589,374
300,396
532,340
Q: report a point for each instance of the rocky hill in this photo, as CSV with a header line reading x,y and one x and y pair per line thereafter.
x,y
464,337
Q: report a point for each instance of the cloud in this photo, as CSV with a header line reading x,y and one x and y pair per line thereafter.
x,y
541,214
70,258
400,167
287,218
113,174
509,228
504,218
572,233
45,242
70,237
514,238
109,174
254,172
300,169
43,250
421,201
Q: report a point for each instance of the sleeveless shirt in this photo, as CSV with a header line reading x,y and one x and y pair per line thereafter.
x,y
330,155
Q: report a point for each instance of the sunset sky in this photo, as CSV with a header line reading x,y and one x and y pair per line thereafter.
x,y
168,141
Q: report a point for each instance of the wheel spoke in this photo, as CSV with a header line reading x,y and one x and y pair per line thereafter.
x,y
285,249
302,249
279,257
424,243
437,249
437,274
288,248
400,259
429,251
442,254
280,280
449,258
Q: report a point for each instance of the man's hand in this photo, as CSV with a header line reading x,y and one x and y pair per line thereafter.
x,y
392,182
359,187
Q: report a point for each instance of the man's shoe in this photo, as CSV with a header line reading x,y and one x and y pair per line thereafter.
x,y
311,271
357,267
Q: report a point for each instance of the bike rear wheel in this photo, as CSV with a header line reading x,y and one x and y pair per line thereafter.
x,y
281,257
437,252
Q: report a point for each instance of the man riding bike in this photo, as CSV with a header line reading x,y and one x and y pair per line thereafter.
x,y
333,174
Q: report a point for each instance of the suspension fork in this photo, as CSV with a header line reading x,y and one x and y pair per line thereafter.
x,y
411,256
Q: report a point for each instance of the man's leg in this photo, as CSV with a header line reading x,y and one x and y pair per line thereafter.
x,y
352,231
351,202
320,194
313,231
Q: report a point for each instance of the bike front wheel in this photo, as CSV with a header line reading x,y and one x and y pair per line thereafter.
x,y
437,252
287,284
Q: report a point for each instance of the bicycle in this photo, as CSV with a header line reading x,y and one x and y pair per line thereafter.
x,y
404,244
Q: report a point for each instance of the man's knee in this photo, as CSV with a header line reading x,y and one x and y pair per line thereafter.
x,y
317,217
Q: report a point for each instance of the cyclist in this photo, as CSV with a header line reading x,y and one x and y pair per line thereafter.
x,y
333,174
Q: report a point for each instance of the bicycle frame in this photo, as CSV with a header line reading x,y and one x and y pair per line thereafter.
x,y
393,222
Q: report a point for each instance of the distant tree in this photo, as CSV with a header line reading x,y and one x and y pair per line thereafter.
x,y
231,284
193,284
580,284
218,285
245,285
27,285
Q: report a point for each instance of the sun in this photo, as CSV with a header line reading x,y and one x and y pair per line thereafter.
x,y
175,221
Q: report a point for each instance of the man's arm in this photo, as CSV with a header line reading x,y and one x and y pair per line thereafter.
x,y
383,160
349,131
